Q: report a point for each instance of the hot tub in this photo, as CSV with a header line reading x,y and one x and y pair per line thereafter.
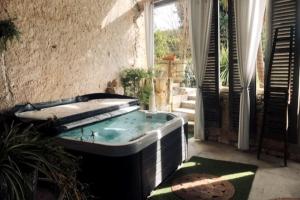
x,y
125,152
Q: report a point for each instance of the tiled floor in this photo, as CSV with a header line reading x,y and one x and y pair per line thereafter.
x,y
271,180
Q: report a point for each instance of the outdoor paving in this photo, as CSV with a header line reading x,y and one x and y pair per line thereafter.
x,y
272,180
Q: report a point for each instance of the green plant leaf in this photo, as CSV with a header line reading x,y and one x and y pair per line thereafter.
x,y
224,62
136,83
24,150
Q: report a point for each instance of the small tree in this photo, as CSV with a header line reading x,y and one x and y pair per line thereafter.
x,y
166,43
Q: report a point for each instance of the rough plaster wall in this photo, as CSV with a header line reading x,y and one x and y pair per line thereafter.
x,y
68,47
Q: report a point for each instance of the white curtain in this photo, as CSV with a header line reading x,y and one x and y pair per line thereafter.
x,y
249,23
150,47
200,14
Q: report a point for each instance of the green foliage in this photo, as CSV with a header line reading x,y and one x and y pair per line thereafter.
x,y
145,92
166,43
224,56
131,80
8,32
224,62
224,23
189,76
136,83
23,153
223,29
161,44
224,5
159,71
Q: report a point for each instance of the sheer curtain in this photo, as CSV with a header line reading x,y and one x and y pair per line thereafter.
x,y
200,14
149,30
249,23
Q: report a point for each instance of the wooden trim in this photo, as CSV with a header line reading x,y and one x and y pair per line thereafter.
x,y
277,90
297,72
158,3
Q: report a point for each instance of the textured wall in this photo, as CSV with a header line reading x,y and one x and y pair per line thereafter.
x,y
68,47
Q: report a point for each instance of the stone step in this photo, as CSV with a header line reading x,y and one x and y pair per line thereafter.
x,y
190,91
192,97
177,85
189,112
188,104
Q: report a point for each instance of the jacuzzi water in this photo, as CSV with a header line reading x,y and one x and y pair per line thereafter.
x,y
119,129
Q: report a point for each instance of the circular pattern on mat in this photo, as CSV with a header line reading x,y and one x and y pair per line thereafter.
x,y
202,187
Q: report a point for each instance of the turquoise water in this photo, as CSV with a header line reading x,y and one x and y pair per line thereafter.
x,y
119,129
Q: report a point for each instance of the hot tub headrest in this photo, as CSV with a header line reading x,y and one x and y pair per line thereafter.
x,y
81,98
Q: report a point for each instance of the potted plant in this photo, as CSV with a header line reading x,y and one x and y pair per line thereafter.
x,y
26,157
136,83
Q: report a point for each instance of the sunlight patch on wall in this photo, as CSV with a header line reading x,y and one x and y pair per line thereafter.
x,y
116,12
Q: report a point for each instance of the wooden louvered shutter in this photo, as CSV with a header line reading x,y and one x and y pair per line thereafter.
x,y
278,83
210,87
234,78
284,15
296,71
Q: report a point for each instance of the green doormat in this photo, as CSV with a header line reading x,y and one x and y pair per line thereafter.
x,y
239,175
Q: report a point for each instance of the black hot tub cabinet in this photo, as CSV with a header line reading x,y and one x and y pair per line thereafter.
x,y
127,170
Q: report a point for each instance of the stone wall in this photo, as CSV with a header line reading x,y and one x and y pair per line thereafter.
x,y
68,47
228,136
225,134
